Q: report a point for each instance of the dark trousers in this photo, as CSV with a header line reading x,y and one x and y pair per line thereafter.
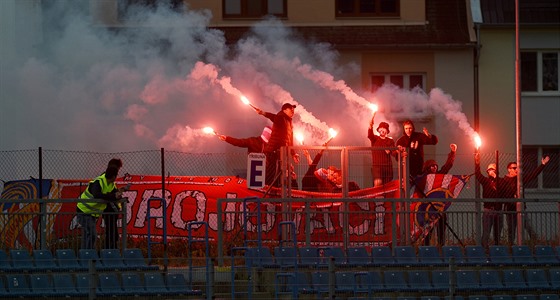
x,y
511,221
111,230
439,229
491,218
272,168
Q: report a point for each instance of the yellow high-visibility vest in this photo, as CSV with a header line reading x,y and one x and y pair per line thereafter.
x,y
94,208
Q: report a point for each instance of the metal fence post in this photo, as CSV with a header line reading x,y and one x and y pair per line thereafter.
x,y
164,211
43,204
124,206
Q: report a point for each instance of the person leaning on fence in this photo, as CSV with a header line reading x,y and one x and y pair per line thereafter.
x,y
110,215
492,215
102,187
509,190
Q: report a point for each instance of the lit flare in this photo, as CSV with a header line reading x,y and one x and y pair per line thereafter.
x,y
373,107
477,141
299,137
247,102
332,134
209,130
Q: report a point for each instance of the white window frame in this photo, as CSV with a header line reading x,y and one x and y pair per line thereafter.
x,y
539,91
406,79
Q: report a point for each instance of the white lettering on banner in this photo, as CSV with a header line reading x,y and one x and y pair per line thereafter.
x,y
74,223
269,214
131,196
200,207
326,223
176,211
142,214
177,221
297,218
321,218
229,215
379,226
360,229
140,220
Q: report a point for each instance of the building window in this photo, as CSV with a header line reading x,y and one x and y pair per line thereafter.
x,y
550,176
124,6
403,81
233,9
539,71
367,8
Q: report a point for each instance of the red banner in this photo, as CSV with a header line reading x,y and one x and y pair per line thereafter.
x,y
194,199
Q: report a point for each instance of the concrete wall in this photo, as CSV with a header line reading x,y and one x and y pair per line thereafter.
x,y
497,90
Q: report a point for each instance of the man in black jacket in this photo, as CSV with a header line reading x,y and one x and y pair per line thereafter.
x,y
415,142
282,135
492,214
509,190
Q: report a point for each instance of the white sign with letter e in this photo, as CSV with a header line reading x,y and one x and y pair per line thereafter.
x,y
256,167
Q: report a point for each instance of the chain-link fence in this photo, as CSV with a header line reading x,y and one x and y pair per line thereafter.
x,y
60,164
356,164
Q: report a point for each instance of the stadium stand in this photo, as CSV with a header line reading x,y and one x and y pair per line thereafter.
x,y
309,256
522,256
382,256
475,255
21,261
337,254
44,260
455,252
490,280
67,260
132,284
429,256
18,285
85,256
286,257
64,285
499,255
110,259
42,285
544,254
5,264
356,274
405,256
358,256
134,260
467,281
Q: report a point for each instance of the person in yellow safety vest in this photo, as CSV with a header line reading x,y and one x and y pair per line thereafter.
x,y
103,187
111,216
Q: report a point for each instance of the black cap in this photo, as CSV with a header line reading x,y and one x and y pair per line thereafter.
x,y
288,105
383,125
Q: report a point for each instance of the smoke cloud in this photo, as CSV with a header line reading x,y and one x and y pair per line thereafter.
x,y
108,89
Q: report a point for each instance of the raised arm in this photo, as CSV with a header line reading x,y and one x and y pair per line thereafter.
x,y
450,160
267,115
533,174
